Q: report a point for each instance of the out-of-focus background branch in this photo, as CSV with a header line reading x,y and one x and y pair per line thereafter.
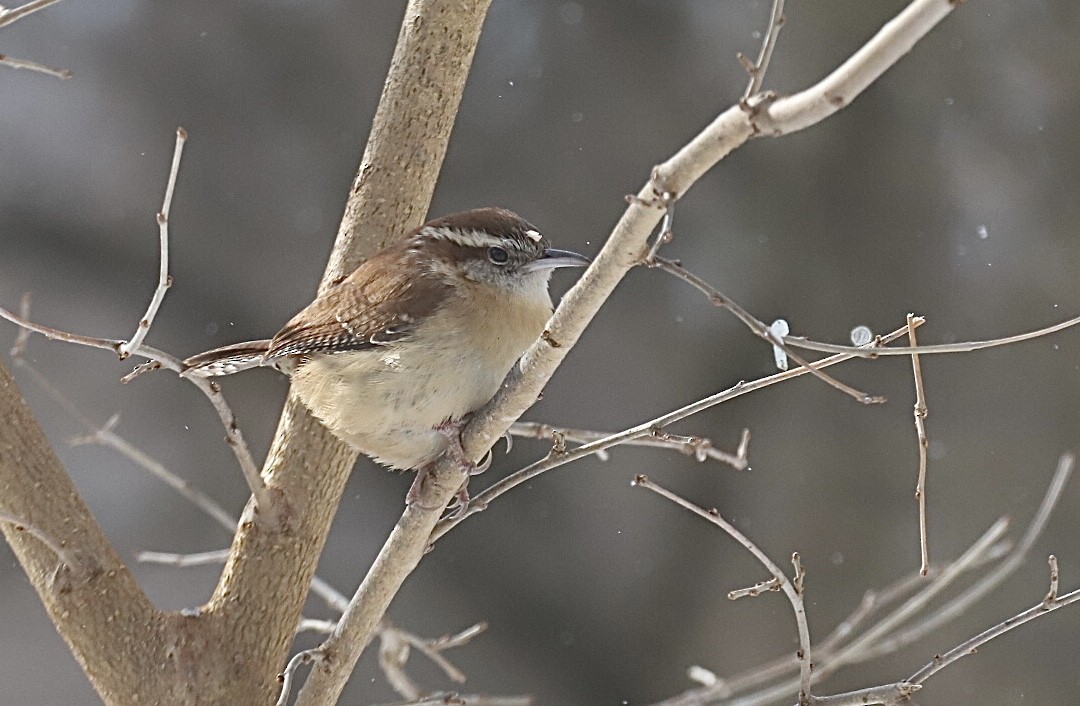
x,y
945,190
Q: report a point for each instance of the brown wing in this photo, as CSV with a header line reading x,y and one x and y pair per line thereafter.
x,y
373,306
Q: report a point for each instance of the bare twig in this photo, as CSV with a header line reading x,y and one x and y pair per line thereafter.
x,y
316,625
1052,594
920,433
873,602
313,656
19,346
916,603
716,298
450,698
396,645
993,579
321,588
830,655
966,347
7,16
215,556
891,694
758,68
233,436
667,227
757,589
105,436
971,646
109,344
235,439
792,589
164,278
699,447
12,62
644,430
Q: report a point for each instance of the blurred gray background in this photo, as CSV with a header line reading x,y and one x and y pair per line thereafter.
x,y
947,189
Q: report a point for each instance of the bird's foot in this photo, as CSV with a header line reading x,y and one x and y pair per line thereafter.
x,y
460,505
454,451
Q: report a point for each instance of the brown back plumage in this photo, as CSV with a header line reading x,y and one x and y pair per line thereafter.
x,y
375,305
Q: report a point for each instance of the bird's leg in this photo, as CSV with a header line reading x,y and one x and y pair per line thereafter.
x,y
451,429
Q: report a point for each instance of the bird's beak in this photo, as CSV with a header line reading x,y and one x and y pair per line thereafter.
x,y
553,258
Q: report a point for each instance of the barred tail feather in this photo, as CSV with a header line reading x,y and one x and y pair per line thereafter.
x,y
227,360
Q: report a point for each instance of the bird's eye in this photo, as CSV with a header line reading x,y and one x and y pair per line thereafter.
x,y
498,255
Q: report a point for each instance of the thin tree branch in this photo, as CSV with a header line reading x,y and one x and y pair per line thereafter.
x,y
13,63
793,589
966,347
758,68
105,436
313,656
699,447
183,561
123,349
7,16
555,459
873,602
957,606
1052,594
396,645
164,278
971,646
450,698
830,656
885,694
716,298
920,433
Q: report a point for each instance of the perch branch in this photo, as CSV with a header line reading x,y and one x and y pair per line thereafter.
x,y
554,460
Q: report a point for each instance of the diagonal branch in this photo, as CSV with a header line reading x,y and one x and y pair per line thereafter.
x,y
644,430
99,604
628,242
792,588
7,16
306,464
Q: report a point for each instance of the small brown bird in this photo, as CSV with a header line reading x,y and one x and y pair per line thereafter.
x,y
420,335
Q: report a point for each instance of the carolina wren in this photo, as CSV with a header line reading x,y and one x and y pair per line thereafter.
x,y
417,337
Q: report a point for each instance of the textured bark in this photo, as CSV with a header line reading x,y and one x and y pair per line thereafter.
x,y
405,151
232,651
257,603
93,601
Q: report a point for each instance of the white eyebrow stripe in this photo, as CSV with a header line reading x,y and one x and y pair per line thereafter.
x,y
464,238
